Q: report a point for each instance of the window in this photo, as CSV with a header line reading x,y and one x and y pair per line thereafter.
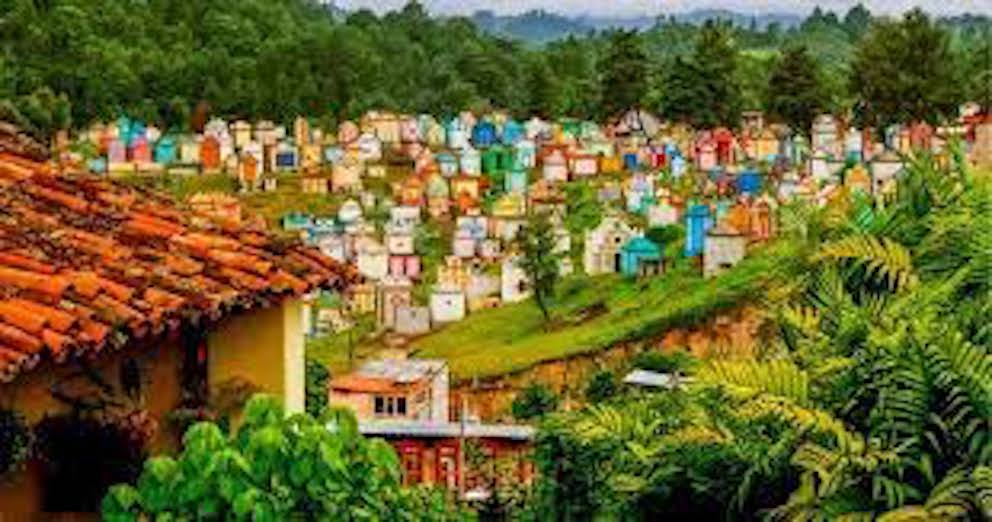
x,y
401,405
380,405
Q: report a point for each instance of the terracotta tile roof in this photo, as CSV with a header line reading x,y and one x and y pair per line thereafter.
x,y
87,264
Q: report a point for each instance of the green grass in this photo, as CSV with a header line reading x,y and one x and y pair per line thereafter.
x,y
335,352
513,338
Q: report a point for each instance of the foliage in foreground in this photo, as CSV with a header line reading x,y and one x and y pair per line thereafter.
x,y
875,401
276,468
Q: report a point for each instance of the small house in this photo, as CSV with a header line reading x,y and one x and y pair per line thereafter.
x,y
409,130
725,247
857,179
470,162
513,132
350,213
447,164
407,389
346,176
514,284
405,266
372,259
447,304
241,133
314,184
698,222
248,172
369,147
484,134
360,299
885,169
463,245
465,186
412,320
348,132
166,150
819,166
749,182
210,157
604,243
140,150
392,293
705,153
640,257
399,242
285,158
516,180
584,164
456,134
525,154
554,166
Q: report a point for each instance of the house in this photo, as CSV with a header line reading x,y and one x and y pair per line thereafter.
x,y
433,133
447,163
470,162
285,157
640,257
749,182
584,164
467,187
513,132
484,134
639,191
857,179
463,244
412,320
698,222
438,196
705,152
136,314
604,243
346,175
885,168
447,304
762,218
249,176
554,165
826,135
189,150
399,242
360,299
726,144
399,401
392,293
516,180
384,126
368,148
412,389
981,147
456,134
241,133
409,130
725,247
525,154
481,291
166,151
350,213
314,184
405,265
637,122
372,259
514,284
819,166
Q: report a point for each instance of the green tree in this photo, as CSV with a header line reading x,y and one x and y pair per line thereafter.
x,y
539,260
601,386
316,387
535,401
702,89
275,468
795,94
624,73
905,71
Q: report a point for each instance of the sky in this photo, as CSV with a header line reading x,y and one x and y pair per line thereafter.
x,y
625,8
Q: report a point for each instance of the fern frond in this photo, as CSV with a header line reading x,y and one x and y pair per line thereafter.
x,y
780,378
883,258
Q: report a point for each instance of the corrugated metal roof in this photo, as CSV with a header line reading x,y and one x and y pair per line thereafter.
x,y
415,428
655,379
401,370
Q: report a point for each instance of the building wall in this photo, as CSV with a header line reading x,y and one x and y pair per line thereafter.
x,y
264,347
30,394
721,252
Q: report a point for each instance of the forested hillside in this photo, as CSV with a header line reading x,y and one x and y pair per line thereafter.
x,y
68,62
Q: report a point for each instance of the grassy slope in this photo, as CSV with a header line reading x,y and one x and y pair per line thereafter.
x,y
512,338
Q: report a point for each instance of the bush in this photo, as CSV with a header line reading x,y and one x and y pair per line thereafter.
x,y
316,387
275,468
601,386
655,361
535,401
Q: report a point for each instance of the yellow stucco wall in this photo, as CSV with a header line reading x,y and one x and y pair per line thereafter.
x,y
265,348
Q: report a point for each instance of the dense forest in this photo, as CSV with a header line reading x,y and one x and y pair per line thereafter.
x,y
69,62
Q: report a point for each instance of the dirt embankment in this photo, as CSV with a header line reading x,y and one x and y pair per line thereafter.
x,y
733,334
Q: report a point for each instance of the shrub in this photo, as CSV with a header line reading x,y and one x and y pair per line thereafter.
x,y
316,387
15,440
534,401
601,386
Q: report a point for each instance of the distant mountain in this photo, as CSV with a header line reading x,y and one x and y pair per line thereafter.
x,y
540,26
536,26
